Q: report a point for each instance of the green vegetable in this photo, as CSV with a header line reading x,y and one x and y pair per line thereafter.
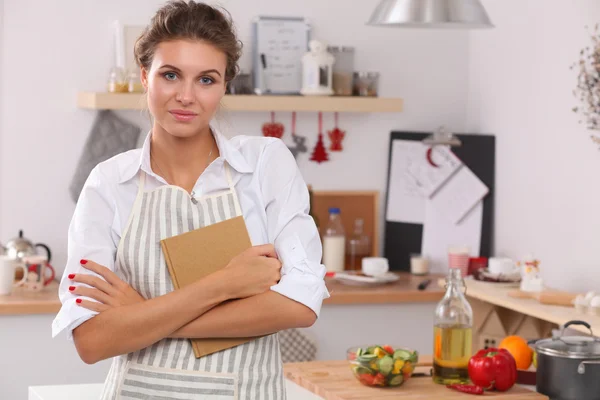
x,y
403,355
386,364
359,370
366,358
359,352
396,380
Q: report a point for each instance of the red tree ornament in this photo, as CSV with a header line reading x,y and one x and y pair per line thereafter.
x,y
336,136
319,153
273,129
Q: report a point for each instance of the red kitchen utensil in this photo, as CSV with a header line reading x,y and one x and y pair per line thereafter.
x,y
336,135
319,153
273,129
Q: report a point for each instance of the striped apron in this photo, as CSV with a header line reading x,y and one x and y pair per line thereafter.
x,y
168,369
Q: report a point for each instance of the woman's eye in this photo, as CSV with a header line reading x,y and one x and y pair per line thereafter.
x,y
170,76
205,80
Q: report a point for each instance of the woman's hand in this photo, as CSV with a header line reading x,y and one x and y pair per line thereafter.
x,y
111,292
253,271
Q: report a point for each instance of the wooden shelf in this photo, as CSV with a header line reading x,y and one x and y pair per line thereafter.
x,y
134,101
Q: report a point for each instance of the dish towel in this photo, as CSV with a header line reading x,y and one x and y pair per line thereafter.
x,y
110,135
296,347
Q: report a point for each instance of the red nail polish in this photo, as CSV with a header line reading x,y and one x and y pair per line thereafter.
x,y
71,276
71,288
83,262
78,301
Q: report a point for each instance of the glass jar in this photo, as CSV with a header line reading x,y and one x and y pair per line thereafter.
x,y
241,84
343,69
359,246
334,242
366,83
452,333
116,81
134,85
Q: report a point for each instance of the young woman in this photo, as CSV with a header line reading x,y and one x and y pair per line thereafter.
x,y
117,296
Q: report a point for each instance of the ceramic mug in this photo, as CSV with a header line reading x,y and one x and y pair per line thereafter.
x,y
375,266
37,267
7,274
501,265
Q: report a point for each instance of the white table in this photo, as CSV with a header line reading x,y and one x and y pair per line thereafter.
x,y
93,391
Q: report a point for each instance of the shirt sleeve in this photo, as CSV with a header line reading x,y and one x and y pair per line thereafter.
x,y
90,237
291,228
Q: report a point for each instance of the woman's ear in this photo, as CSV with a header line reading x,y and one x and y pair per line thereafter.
x,y
144,78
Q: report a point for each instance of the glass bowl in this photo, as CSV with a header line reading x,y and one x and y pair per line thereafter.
x,y
382,365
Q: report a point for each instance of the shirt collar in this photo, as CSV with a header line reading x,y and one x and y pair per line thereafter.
x,y
227,151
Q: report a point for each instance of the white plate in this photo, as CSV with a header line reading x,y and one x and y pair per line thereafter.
x,y
351,278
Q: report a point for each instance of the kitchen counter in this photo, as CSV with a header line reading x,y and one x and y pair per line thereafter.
x,y
402,291
498,295
22,302
318,380
333,380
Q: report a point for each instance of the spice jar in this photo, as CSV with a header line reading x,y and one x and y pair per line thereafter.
x,y
134,85
366,83
116,81
342,69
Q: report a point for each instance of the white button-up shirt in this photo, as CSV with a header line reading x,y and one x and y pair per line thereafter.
x,y
273,197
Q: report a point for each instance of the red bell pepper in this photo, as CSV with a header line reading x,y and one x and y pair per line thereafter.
x,y
493,369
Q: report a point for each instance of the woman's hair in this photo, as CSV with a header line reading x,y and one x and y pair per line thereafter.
x,y
192,21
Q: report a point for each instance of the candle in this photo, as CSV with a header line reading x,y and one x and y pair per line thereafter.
x,y
419,265
119,46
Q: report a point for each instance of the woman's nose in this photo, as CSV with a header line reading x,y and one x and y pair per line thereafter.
x,y
185,94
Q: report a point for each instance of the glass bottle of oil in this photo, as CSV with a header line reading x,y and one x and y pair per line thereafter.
x,y
452,333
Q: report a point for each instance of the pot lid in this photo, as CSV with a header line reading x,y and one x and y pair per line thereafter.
x,y
571,346
19,243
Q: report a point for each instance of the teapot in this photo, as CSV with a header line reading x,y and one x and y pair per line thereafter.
x,y
20,247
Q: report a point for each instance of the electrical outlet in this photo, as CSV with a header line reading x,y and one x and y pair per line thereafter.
x,y
488,341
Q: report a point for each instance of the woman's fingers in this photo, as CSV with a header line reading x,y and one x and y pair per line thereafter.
x,y
104,272
95,294
92,305
95,282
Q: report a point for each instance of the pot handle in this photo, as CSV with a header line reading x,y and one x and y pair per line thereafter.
x,y
581,366
576,322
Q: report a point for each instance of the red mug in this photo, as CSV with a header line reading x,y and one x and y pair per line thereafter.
x,y
36,272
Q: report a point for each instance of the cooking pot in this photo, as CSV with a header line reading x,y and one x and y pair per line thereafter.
x,y
568,367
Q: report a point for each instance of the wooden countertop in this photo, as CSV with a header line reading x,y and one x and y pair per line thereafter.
x,y
333,380
402,291
22,302
498,295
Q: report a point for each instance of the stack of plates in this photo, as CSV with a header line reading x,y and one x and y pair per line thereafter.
x,y
357,278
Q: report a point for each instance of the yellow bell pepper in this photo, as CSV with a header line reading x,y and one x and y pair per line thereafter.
x,y
397,367
379,352
374,366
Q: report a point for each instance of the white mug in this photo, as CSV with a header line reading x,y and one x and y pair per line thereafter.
x,y
501,265
375,266
7,274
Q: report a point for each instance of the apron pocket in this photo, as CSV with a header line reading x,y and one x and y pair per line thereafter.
x,y
145,382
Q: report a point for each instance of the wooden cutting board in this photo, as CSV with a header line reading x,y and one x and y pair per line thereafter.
x,y
333,380
552,297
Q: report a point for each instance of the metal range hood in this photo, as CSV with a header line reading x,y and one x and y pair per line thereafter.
x,y
453,14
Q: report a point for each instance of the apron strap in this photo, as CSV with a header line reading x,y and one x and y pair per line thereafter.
x,y
236,202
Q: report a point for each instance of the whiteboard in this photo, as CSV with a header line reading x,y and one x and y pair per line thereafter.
x,y
280,42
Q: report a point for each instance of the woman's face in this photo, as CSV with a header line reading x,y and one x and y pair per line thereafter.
x,y
185,84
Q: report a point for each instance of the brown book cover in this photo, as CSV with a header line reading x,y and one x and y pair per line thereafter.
x,y
193,255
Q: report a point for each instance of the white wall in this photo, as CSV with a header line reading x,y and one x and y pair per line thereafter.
x,y
520,89
55,49
52,50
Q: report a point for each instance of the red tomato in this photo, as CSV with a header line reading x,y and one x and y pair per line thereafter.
x,y
389,349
